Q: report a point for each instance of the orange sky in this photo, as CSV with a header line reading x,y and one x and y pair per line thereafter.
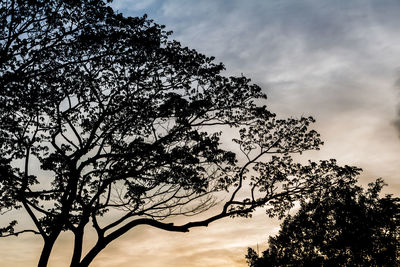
x,y
335,60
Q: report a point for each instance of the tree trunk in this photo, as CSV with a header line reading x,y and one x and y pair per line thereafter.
x,y
78,243
100,245
46,251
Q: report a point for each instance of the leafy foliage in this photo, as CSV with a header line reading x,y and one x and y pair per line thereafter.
x,y
101,112
339,226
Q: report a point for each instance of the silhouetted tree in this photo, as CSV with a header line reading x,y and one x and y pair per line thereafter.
x,y
101,112
339,226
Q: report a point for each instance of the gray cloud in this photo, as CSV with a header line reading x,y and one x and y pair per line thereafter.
x,y
396,121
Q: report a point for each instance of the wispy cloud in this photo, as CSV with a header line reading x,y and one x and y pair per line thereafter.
x,y
129,6
397,119
223,243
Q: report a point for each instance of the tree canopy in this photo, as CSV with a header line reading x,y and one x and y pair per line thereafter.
x,y
102,113
339,226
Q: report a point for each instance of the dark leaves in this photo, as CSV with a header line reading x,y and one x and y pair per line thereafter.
x,y
341,225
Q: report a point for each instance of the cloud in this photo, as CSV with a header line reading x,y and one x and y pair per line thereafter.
x,y
304,43
132,7
222,244
397,119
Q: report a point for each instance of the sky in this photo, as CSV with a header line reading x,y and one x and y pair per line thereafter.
x,y
338,61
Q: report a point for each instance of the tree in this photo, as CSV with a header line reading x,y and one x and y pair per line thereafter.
x,y
339,226
102,113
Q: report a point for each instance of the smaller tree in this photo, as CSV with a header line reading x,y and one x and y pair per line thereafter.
x,y
341,225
